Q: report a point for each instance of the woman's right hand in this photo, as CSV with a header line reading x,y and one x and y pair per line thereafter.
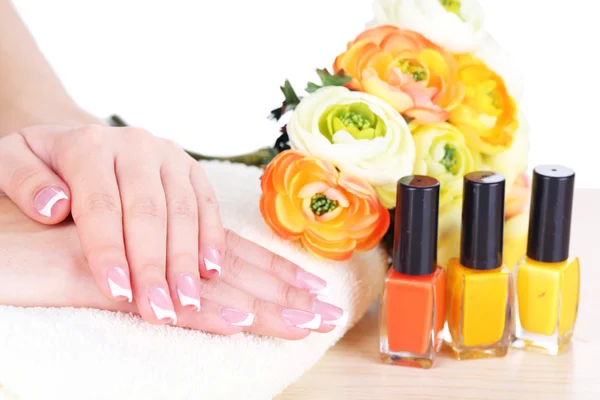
x,y
260,292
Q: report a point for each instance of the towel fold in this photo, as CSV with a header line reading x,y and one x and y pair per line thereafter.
x,y
51,353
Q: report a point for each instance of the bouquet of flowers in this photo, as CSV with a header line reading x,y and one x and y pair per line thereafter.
x,y
423,90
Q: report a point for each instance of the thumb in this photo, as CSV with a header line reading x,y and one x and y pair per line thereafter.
x,y
30,184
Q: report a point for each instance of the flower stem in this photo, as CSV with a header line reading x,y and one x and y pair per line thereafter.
x,y
260,158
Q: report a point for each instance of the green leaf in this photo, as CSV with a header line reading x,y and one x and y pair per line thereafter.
x,y
311,87
289,104
291,98
339,79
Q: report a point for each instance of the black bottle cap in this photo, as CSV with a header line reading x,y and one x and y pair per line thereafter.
x,y
482,220
550,213
416,229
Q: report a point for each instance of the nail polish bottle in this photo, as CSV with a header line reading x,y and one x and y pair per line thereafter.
x,y
547,278
480,288
413,308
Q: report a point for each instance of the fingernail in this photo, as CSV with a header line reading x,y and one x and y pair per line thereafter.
x,y
330,314
188,291
237,317
118,282
306,280
301,319
212,260
47,198
161,304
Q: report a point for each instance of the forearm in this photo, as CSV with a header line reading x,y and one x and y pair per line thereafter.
x,y
30,92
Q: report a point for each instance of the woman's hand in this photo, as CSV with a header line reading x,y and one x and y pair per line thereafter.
x,y
260,292
143,209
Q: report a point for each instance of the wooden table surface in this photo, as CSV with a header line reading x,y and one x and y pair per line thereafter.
x,y
351,369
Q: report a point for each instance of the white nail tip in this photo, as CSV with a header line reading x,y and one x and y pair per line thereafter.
x,y
247,322
211,265
341,321
47,210
119,291
188,301
161,313
312,324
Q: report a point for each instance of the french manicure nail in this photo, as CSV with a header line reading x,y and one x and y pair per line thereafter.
x,y
330,314
313,283
47,198
118,283
161,304
212,260
301,319
237,317
188,291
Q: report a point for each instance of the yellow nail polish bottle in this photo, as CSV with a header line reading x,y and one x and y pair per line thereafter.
x,y
547,278
479,288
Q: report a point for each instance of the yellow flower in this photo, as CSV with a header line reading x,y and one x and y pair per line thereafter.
x,y
487,114
442,153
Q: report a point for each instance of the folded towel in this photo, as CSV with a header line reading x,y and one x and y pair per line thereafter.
x,y
51,353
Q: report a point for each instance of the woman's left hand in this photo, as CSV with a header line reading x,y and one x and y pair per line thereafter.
x,y
43,266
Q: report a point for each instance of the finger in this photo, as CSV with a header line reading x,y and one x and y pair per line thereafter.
x,y
275,264
38,191
182,231
145,224
212,234
96,207
258,316
265,286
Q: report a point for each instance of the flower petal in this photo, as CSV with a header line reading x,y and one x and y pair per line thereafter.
x,y
312,188
396,97
287,214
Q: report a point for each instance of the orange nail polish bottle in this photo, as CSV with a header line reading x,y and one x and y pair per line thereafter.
x,y
413,308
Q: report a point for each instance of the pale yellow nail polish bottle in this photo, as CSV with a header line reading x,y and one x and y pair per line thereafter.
x,y
547,278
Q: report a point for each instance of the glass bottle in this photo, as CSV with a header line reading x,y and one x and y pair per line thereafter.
x,y
547,278
413,303
479,287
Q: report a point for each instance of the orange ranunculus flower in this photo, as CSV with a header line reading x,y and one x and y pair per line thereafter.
x,y
332,213
418,78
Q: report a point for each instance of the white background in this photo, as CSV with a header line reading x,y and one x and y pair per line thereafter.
x,y
206,73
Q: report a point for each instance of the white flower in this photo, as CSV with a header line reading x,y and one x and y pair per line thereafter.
x,y
455,25
357,132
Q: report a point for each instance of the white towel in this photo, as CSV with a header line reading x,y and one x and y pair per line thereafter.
x,y
90,354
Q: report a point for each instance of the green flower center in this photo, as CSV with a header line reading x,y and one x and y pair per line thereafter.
x,y
351,118
320,204
356,118
412,68
449,161
452,6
